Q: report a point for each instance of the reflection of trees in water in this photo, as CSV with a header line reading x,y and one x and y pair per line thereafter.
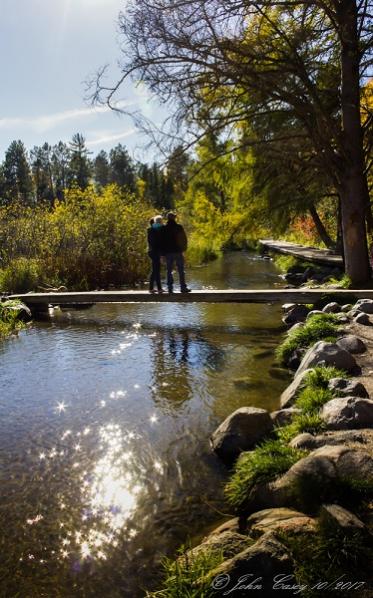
x,y
177,356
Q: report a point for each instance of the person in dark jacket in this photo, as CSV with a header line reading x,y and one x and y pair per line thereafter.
x,y
154,252
174,243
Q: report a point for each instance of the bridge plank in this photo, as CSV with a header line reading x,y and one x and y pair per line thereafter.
x,y
308,254
302,295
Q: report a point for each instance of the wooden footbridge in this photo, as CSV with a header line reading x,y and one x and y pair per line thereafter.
x,y
41,301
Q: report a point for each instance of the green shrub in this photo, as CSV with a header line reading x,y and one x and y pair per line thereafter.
x,y
263,464
22,275
188,577
90,240
318,327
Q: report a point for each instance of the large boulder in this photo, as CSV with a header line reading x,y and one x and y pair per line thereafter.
x,y
290,394
346,413
347,387
332,308
280,519
318,478
352,344
315,479
362,319
364,305
295,314
323,353
254,570
241,431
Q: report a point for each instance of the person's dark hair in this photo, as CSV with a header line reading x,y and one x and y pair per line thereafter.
x,y
171,216
151,221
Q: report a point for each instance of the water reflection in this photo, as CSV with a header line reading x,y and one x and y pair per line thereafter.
x,y
103,417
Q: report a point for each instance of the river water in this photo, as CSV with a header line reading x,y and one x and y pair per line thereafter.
x,y
105,416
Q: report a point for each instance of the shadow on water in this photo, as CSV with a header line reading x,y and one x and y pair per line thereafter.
x,y
104,423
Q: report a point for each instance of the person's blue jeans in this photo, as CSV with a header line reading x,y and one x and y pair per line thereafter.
x,y
178,259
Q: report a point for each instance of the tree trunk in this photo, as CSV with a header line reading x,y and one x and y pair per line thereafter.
x,y
321,230
353,187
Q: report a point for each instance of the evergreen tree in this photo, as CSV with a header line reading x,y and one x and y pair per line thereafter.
x,y
16,174
60,161
41,166
101,169
122,169
80,168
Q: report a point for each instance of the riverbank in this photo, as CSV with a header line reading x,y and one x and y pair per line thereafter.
x,y
301,483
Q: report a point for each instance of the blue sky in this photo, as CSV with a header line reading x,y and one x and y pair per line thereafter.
x,y
48,48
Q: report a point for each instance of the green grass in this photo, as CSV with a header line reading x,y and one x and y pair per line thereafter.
x,y
305,422
318,327
188,577
319,376
264,464
311,400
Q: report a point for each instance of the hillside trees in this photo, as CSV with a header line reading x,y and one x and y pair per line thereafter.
x,y
254,59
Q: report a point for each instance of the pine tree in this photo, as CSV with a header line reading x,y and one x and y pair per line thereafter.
x,y
80,168
122,170
17,178
101,169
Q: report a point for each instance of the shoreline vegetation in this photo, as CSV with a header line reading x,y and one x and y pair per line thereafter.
x,y
300,487
12,317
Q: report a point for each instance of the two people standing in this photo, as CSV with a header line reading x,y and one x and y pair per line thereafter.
x,y
167,240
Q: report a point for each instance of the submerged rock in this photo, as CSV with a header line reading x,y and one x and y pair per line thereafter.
x,y
323,353
348,412
241,431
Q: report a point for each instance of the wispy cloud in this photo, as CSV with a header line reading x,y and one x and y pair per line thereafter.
x,y
108,138
49,121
